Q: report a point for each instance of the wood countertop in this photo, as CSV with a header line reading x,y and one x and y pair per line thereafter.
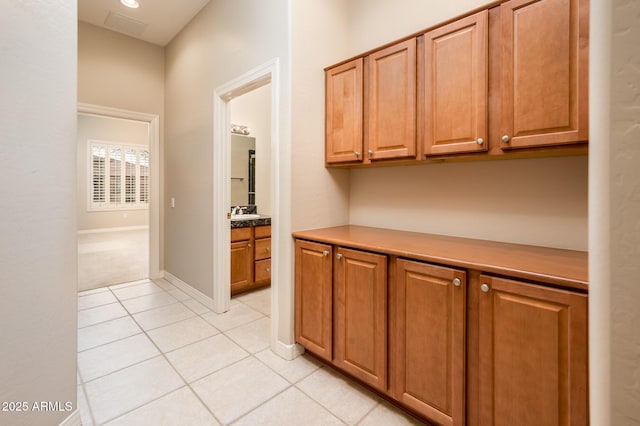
x,y
565,268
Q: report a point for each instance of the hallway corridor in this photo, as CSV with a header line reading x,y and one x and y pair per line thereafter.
x,y
149,354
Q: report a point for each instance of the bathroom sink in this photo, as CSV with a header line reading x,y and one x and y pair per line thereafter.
x,y
244,216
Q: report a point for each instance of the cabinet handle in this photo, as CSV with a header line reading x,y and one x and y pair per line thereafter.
x,y
325,253
370,152
339,256
506,139
484,288
249,245
457,282
357,154
480,141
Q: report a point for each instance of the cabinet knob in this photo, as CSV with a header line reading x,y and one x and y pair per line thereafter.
x,y
249,245
457,282
339,256
268,269
484,288
267,249
370,152
506,139
480,141
357,154
325,253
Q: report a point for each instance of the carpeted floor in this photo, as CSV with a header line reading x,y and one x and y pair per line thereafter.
x,y
107,258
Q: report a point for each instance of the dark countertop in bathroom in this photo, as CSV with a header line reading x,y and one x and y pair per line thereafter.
x,y
263,220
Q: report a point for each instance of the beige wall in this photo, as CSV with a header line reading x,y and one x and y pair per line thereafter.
x,y
625,213
253,109
225,40
539,201
122,72
37,215
107,129
320,196
119,71
373,23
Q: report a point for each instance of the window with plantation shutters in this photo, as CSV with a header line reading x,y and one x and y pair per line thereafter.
x,y
119,176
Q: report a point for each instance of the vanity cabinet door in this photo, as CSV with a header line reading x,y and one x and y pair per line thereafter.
x,y
533,354
427,333
241,266
544,72
314,297
360,324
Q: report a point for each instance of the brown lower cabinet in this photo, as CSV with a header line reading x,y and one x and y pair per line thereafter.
x,y
427,313
408,329
250,258
533,354
360,315
313,298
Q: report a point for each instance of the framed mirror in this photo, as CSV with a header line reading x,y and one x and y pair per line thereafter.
x,y
243,170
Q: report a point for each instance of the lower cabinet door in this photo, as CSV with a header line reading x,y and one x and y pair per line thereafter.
x,y
241,266
427,333
313,297
533,354
360,307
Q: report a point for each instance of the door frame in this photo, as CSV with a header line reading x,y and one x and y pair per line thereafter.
x,y
154,164
254,79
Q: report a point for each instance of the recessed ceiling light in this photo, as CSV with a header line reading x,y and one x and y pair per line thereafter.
x,y
133,4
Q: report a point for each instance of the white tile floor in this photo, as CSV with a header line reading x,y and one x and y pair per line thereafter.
x,y
148,354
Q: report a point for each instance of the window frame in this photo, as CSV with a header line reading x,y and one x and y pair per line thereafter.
x,y
122,205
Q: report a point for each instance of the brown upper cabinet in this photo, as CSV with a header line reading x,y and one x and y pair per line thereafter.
x,y
390,105
344,94
455,87
544,72
510,78
371,107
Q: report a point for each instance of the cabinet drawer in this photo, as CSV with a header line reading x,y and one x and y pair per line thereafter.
x,y
263,249
240,234
263,231
263,270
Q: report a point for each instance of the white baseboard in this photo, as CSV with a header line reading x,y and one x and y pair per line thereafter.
x,y
196,294
73,420
285,351
115,229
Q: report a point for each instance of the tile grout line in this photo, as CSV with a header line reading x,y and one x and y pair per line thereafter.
x,y
164,355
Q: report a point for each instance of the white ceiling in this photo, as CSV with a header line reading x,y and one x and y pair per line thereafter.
x,y
163,18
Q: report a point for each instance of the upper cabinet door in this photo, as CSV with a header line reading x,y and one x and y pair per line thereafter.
x,y
391,102
344,115
544,72
455,85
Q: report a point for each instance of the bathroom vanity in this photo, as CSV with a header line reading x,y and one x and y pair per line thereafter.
x,y
250,253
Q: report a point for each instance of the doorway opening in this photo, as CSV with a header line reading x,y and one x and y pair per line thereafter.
x,y
267,74
118,196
